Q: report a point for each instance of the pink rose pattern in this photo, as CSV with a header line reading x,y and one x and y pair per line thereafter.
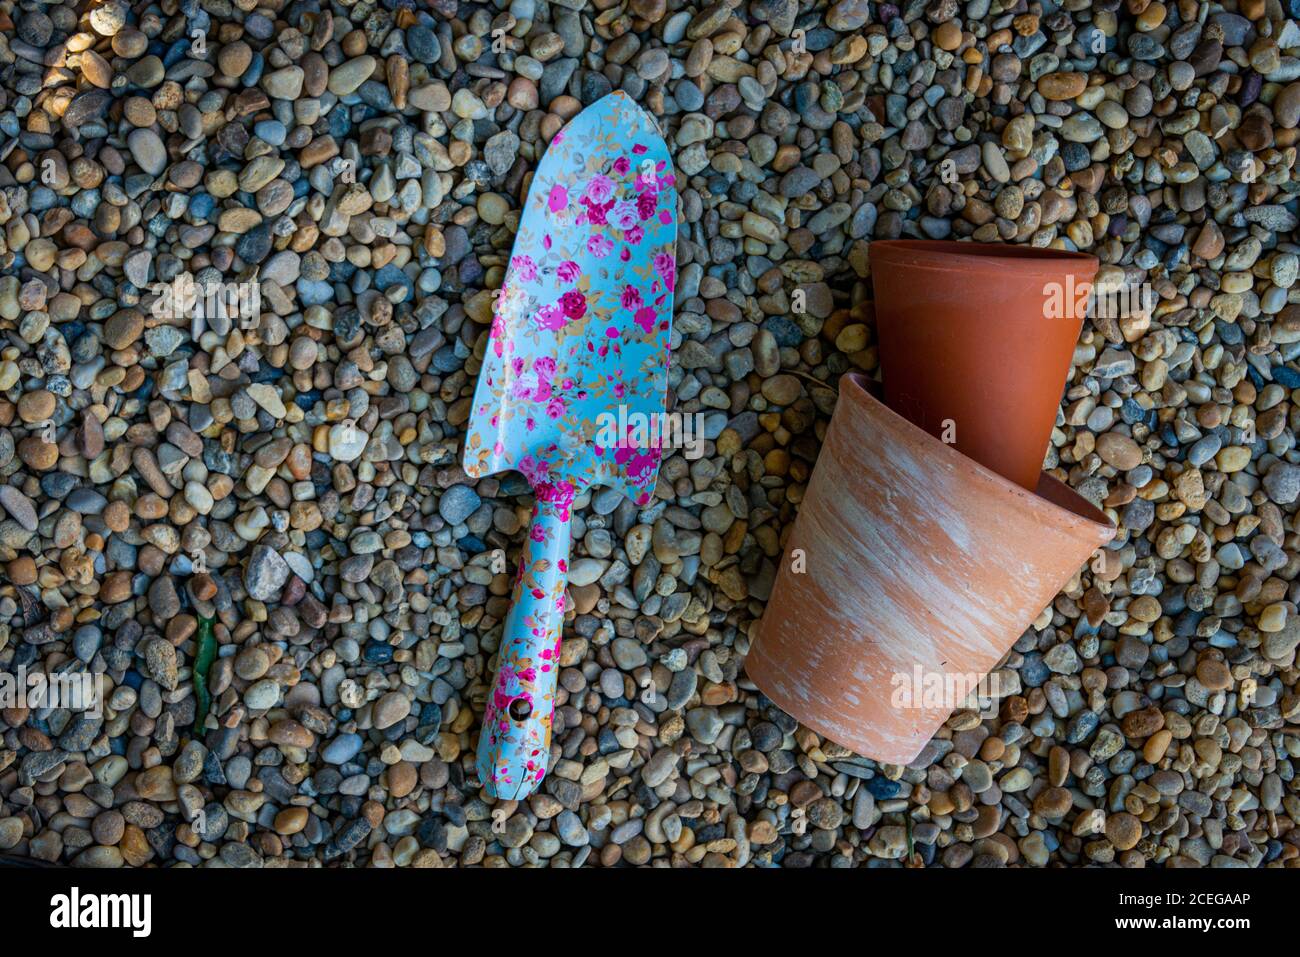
x,y
581,326
528,658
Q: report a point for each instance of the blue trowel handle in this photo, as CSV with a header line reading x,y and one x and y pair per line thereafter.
x,y
515,743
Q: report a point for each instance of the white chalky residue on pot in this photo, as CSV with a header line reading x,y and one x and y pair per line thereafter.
x,y
931,564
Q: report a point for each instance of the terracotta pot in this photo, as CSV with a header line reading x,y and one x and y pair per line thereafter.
x,y
914,556
976,340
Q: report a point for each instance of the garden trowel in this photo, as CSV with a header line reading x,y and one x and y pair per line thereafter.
x,y
574,376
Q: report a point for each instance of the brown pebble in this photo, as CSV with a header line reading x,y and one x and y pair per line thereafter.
x,y
123,328
291,820
1119,451
1053,803
1123,830
1143,722
402,778
22,570
291,733
234,58
38,454
522,94
1157,745
1214,674
987,820
135,847
36,406
1062,86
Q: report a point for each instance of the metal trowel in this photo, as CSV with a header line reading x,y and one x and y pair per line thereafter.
x,y
575,372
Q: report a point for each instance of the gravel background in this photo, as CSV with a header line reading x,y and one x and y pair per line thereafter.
x,y
364,162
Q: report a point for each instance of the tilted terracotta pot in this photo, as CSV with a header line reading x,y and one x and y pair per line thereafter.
x,y
914,556
976,340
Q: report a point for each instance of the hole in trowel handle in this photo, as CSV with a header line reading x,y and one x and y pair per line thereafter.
x,y
520,709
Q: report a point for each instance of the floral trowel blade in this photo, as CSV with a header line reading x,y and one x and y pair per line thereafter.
x,y
575,366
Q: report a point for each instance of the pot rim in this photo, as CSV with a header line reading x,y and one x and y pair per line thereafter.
x,y
951,255
1051,498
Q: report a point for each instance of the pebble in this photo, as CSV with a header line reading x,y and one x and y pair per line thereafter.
x,y
346,442
347,77
457,504
265,573
148,151
342,749
390,709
